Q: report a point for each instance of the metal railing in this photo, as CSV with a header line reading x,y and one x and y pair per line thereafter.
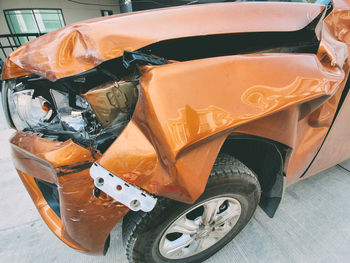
x,y
9,42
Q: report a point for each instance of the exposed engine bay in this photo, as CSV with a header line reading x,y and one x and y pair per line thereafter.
x,y
59,111
91,108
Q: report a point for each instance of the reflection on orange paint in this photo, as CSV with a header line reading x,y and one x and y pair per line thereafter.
x,y
268,98
193,123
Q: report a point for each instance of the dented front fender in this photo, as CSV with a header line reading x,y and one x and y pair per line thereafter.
x,y
186,110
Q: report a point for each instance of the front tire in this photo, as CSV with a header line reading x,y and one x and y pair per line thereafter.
x,y
178,232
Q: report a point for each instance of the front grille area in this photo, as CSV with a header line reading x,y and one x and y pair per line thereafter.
x,y
50,193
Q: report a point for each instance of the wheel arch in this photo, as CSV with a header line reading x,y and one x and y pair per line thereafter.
x,y
266,158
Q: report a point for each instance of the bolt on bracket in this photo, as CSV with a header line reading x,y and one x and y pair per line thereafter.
x,y
127,194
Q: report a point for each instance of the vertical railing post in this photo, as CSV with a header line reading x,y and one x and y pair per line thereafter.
x,y
14,40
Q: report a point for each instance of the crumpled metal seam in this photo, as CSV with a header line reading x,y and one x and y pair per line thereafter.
x,y
82,46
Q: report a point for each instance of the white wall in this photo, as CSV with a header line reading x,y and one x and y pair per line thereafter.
x,y
72,12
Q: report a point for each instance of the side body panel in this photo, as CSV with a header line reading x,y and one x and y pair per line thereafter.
x,y
336,147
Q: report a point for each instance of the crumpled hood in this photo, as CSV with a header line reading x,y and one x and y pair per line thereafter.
x,y
82,46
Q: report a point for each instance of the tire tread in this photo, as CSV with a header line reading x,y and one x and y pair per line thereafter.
x,y
135,222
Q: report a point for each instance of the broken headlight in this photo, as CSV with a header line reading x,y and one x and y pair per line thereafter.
x,y
94,118
55,114
28,112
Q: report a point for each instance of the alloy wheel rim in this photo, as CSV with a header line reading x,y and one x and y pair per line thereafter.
x,y
200,228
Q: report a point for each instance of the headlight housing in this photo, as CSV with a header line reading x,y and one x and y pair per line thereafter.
x,y
94,118
51,115
28,112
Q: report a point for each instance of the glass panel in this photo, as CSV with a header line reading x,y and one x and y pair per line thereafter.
x,y
48,20
21,21
34,21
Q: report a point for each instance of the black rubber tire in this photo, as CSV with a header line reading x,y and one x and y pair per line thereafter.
x,y
142,231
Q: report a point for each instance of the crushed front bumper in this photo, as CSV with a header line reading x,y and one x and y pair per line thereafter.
x,y
66,203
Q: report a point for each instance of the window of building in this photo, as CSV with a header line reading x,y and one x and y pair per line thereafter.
x,y
106,12
21,21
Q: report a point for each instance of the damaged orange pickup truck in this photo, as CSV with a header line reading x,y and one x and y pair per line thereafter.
x,y
179,120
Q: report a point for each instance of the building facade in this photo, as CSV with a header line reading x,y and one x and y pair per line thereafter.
x,y
23,20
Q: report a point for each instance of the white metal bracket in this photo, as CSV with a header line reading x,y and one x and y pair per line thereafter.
x,y
127,194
